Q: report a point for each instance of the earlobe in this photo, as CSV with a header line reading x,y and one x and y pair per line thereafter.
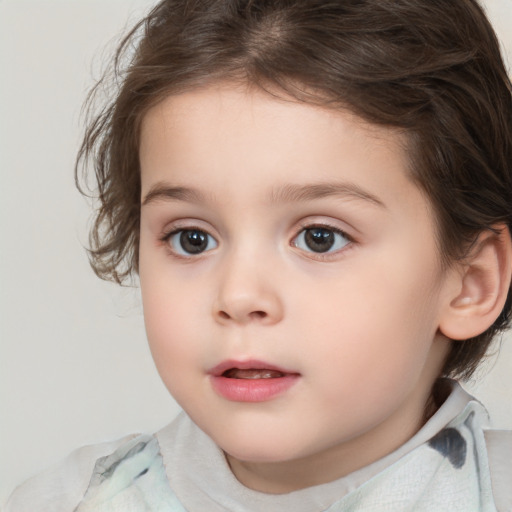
x,y
483,285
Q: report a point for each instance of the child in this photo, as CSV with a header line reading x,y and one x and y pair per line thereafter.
x,y
317,199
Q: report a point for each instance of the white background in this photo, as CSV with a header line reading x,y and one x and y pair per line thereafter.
x,y
74,365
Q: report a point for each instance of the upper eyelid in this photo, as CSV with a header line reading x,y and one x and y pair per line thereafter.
x,y
167,236
302,225
325,225
311,221
166,233
174,227
328,255
185,225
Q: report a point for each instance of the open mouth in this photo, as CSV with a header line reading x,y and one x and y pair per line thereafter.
x,y
250,370
252,373
251,381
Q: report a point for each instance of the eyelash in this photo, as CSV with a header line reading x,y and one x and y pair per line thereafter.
x,y
167,236
325,256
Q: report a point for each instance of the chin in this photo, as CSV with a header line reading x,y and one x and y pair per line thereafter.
x,y
262,449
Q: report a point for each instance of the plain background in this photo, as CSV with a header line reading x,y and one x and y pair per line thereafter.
x,y
74,365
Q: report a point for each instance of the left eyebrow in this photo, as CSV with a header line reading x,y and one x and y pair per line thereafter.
x,y
296,193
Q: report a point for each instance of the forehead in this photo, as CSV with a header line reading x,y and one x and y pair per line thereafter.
x,y
246,130
240,104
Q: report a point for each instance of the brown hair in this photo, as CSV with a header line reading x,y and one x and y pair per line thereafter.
x,y
431,68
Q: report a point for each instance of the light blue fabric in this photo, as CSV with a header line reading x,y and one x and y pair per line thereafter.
x,y
132,479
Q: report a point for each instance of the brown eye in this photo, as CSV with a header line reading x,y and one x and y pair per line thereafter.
x,y
188,242
321,239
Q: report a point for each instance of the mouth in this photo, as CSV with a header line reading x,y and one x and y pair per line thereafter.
x,y
252,370
251,381
252,374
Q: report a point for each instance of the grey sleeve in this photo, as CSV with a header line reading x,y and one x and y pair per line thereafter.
x,y
61,487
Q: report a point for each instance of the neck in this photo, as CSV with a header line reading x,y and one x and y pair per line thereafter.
x,y
334,462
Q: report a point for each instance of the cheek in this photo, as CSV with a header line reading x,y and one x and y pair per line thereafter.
x,y
378,327
170,325
367,371
172,346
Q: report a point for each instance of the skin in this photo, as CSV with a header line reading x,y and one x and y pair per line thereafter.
x,y
359,323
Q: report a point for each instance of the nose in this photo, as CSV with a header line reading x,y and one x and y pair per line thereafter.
x,y
247,293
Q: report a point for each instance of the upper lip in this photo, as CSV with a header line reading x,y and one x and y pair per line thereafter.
x,y
251,364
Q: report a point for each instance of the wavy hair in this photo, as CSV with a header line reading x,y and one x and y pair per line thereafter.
x,y
430,68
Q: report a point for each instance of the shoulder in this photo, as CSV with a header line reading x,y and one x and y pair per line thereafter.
x,y
499,451
62,486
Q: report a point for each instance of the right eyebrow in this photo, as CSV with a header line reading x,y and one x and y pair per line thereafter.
x,y
162,191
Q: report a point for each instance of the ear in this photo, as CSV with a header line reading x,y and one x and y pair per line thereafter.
x,y
481,286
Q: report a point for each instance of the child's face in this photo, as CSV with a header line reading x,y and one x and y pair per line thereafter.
x,y
291,284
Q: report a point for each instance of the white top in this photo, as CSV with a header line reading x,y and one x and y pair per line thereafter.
x,y
443,467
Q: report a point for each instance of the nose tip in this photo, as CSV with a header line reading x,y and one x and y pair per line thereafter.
x,y
247,304
247,290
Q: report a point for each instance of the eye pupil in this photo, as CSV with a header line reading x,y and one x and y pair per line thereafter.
x,y
319,239
193,241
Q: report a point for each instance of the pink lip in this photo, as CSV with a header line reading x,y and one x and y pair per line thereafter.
x,y
251,390
251,364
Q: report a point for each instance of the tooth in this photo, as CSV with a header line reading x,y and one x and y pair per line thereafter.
x,y
252,374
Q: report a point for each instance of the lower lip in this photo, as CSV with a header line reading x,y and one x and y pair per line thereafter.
x,y
252,390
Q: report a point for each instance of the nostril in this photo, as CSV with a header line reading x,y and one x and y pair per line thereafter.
x,y
258,314
255,315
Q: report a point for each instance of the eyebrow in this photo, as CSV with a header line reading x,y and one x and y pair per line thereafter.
x,y
163,191
289,193
296,193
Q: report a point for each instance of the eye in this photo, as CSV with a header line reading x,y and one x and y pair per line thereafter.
x,y
186,242
321,239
